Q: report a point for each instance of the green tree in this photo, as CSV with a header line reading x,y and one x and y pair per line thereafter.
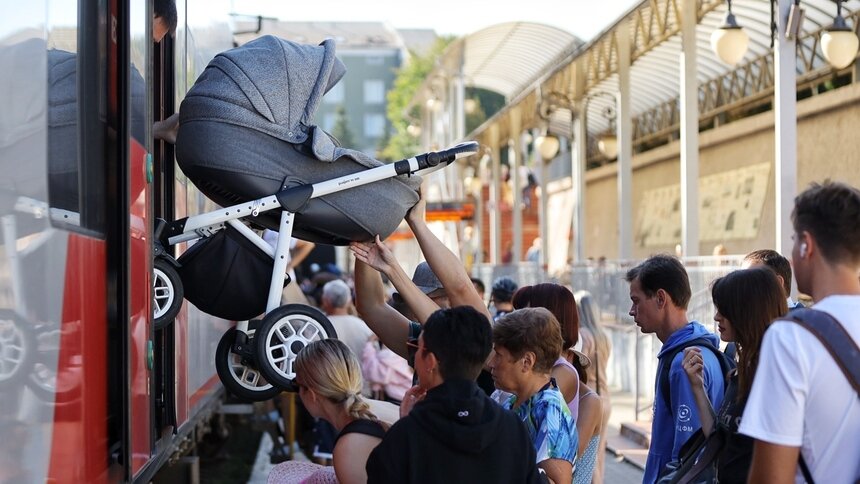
x,y
409,78
341,130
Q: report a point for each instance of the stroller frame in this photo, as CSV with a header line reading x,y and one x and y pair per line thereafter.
x,y
265,354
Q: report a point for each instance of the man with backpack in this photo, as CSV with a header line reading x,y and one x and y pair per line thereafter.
x,y
804,407
660,291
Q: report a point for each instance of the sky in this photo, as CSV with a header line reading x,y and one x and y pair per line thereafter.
x,y
583,18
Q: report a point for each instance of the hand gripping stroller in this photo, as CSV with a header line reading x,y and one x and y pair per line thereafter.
x,y
255,360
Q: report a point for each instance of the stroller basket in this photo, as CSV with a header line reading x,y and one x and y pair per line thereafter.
x,y
226,275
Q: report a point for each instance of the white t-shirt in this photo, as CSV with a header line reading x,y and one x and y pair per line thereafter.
x,y
800,397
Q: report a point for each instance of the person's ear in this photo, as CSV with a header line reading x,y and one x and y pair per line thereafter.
x,y
528,361
807,245
661,298
432,362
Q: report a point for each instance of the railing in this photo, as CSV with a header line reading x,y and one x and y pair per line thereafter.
x,y
632,364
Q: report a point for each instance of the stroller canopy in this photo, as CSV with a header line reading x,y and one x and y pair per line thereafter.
x,y
269,85
246,131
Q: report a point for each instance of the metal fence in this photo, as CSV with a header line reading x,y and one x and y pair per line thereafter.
x,y
633,362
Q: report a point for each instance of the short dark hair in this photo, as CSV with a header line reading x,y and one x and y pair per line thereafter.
x,y
166,9
479,285
560,302
830,212
664,272
461,338
503,289
530,329
776,262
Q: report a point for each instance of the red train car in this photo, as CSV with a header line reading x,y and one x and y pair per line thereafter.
x,y
90,389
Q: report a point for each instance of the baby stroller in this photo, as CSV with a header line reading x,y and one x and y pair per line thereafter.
x,y
247,141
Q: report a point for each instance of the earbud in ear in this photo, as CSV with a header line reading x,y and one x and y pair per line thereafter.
x,y
803,249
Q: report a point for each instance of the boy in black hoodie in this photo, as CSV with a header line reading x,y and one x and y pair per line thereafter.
x,y
454,433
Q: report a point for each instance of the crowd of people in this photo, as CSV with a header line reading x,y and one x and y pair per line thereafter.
x,y
515,390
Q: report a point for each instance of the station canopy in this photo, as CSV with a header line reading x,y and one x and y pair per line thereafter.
x,y
652,32
505,58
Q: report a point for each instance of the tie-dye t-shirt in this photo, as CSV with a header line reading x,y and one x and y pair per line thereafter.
x,y
550,425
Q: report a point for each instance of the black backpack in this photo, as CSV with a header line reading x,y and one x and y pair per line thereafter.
x,y
726,364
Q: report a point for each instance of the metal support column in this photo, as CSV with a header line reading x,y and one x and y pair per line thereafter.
x,y
515,160
543,212
625,147
785,112
689,131
578,159
495,197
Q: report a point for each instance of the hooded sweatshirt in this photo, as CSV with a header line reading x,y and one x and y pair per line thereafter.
x,y
672,426
456,434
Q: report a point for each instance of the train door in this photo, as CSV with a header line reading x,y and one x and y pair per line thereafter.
x,y
66,244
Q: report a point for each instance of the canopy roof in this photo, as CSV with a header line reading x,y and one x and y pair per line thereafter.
x,y
652,32
504,58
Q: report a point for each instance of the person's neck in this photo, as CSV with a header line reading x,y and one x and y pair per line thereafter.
x,y
338,312
675,320
337,416
529,387
833,280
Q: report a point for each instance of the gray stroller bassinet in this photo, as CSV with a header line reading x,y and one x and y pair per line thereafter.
x,y
246,131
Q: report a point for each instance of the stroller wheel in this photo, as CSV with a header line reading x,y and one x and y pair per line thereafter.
x,y
239,377
282,334
17,348
167,293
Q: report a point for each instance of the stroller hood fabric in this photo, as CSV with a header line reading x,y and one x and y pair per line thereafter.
x,y
269,84
246,131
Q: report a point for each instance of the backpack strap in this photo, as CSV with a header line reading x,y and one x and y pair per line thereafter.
x,y
663,382
835,340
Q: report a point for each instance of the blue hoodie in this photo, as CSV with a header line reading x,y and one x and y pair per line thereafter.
x,y
671,427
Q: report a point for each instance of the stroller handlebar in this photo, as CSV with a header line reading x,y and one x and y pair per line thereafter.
x,y
434,158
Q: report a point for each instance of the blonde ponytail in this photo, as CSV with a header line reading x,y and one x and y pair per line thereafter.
x,y
333,371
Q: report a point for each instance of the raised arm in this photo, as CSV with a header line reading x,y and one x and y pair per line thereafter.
x,y
391,327
300,253
378,256
445,264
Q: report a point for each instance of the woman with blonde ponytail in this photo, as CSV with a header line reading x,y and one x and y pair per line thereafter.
x,y
328,376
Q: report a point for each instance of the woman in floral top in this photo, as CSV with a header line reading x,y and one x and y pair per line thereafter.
x,y
526,343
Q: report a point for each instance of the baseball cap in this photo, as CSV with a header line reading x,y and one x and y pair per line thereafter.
x,y
425,279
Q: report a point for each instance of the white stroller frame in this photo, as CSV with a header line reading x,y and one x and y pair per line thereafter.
x,y
275,362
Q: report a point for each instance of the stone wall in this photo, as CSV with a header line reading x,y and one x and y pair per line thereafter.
x,y
828,146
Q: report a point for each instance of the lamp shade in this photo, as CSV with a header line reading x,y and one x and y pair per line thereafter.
x,y
470,106
839,47
607,143
547,145
729,43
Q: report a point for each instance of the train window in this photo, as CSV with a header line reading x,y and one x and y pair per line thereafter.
x,y
77,98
